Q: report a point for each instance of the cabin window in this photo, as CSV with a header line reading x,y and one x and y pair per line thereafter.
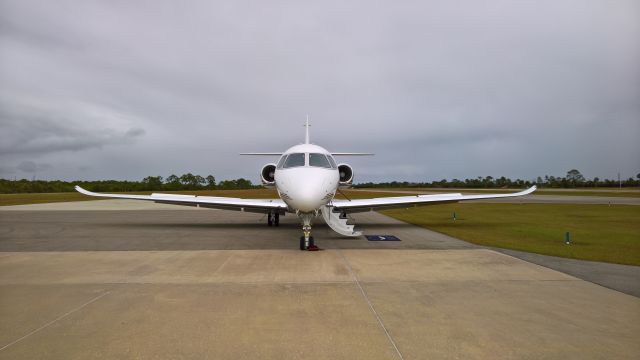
x,y
294,160
319,160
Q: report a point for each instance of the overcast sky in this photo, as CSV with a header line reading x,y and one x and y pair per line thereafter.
x,y
437,89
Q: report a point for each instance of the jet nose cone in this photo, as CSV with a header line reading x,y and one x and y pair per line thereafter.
x,y
308,197
308,203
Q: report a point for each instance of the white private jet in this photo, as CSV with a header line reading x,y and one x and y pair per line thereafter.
x,y
307,178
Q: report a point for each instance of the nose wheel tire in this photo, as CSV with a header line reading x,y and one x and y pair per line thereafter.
x,y
276,219
307,246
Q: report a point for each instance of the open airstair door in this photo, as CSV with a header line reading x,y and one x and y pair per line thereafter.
x,y
338,223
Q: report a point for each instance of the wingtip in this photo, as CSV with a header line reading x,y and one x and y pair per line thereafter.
x,y
81,190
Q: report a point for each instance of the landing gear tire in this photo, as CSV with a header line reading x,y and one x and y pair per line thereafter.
x,y
276,219
269,219
311,247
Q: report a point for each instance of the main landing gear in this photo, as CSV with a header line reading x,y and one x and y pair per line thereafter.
x,y
306,240
273,219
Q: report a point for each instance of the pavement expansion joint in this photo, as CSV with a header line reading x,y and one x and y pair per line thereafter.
x,y
56,320
373,310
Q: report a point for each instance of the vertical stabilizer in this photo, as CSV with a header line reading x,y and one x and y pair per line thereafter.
x,y
306,134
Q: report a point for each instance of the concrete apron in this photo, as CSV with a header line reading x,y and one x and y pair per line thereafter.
x,y
281,304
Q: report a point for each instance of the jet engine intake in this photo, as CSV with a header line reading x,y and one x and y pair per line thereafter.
x,y
267,174
346,175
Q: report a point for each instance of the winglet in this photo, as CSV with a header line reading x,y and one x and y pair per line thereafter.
x,y
85,192
526,192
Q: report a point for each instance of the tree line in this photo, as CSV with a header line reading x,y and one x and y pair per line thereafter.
x,y
573,179
150,183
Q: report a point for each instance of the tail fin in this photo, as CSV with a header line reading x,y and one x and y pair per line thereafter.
x,y
306,135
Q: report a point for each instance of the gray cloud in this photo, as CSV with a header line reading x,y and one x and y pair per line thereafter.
x,y
25,167
36,128
32,167
435,89
7,170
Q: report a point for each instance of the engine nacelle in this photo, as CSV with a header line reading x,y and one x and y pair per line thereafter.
x,y
268,174
346,175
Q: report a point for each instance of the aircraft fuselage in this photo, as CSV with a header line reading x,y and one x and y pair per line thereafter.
x,y
309,181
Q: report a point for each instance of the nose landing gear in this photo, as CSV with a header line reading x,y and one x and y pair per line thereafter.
x,y
306,240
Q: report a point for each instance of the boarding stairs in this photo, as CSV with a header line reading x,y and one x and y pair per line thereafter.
x,y
340,223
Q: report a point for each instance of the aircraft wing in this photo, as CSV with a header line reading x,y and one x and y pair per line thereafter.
x,y
224,203
360,205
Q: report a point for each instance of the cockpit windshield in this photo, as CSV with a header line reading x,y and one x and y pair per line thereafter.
x,y
294,160
319,160
281,162
333,162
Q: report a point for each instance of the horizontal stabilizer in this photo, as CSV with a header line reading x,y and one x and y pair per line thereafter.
x,y
351,154
263,154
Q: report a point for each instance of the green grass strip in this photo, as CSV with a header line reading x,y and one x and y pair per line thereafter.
x,y
598,232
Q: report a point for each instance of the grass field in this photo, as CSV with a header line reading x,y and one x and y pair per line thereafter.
x,y
568,192
598,232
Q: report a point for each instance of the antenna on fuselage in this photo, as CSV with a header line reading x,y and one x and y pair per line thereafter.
x,y
306,135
